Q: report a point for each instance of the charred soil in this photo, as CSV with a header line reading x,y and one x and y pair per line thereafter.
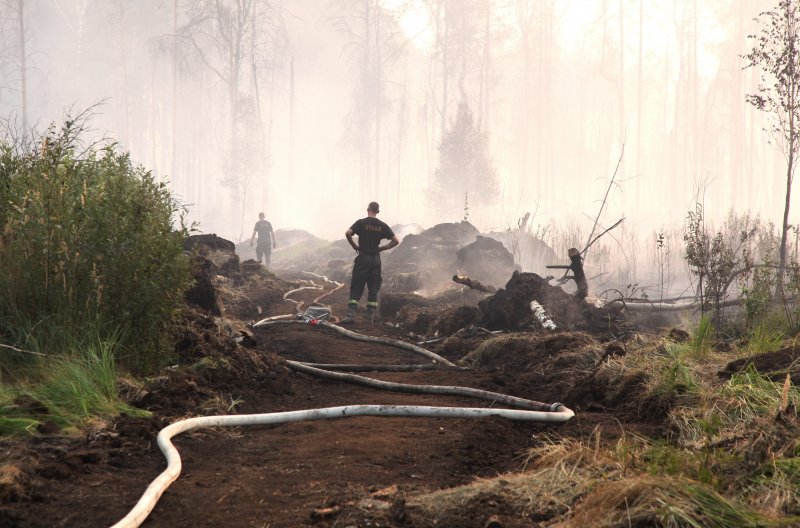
x,y
348,472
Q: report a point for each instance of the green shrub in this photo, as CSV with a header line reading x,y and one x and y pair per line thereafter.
x,y
87,236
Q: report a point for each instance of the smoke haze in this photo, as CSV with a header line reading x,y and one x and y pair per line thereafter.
x,y
330,105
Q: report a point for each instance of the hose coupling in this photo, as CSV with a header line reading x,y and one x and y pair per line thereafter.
x,y
554,406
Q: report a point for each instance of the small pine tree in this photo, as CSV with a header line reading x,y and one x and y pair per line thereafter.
x,y
465,168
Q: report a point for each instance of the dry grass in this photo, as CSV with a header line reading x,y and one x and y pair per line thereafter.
x,y
556,474
662,502
14,483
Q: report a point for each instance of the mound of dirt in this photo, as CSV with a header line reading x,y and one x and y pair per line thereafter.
x,y
509,308
485,260
305,252
431,254
543,367
531,253
289,241
202,294
401,230
221,252
774,365
260,291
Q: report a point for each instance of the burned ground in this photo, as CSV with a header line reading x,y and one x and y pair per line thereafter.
x,y
362,471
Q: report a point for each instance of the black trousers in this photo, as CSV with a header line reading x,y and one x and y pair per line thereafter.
x,y
366,272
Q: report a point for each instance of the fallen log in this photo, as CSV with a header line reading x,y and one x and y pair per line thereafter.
x,y
475,285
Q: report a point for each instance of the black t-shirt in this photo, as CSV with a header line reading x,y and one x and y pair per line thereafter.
x,y
264,230
370,232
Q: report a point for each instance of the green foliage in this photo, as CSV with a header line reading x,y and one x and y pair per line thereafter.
x,y
695,505
765,338
74,387
87,236
674,378
82,386
702,337
464,167
749,394
720,259
12,421
664,459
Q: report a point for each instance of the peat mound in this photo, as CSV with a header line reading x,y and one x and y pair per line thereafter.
x,y
202,293
304,252
427,317
221,252
531,253
485,260
509,308
213,260
258,293
431,254
543,367
775,365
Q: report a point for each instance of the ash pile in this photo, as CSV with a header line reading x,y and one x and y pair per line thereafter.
x,y
426,261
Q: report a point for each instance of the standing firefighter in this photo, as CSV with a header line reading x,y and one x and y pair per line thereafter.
x,y
367,266
576,266
266,239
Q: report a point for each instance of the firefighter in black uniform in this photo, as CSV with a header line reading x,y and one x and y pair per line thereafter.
x,y
367,266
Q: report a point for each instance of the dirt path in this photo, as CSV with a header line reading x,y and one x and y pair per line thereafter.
x,y
279,476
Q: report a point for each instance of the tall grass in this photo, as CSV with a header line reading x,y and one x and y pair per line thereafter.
x,y
749,394
765,338
87,235
67,390
702,337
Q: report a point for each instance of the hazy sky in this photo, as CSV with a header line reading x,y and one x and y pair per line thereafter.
x,y
558,85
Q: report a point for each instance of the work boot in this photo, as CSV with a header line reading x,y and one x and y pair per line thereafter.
x,y
350,318
372,309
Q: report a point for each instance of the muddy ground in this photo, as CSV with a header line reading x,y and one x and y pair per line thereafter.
x,y
333,473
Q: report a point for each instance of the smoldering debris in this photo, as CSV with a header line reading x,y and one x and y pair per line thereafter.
x,y
509,308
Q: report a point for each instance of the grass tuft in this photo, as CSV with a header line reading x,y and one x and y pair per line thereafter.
x,y
765,338
664,502
702,337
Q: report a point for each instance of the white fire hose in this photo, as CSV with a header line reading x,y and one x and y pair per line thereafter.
x,y
154,491
555,412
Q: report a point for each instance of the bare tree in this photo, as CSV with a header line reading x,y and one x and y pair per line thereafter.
x,y
375,42
237,41
777,54
14,57
534,21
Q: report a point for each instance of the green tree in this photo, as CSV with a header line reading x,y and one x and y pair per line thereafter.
x,y
465,167
776,53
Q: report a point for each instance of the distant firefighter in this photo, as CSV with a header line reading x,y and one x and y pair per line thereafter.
x,y
576,266
266,239
367,266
